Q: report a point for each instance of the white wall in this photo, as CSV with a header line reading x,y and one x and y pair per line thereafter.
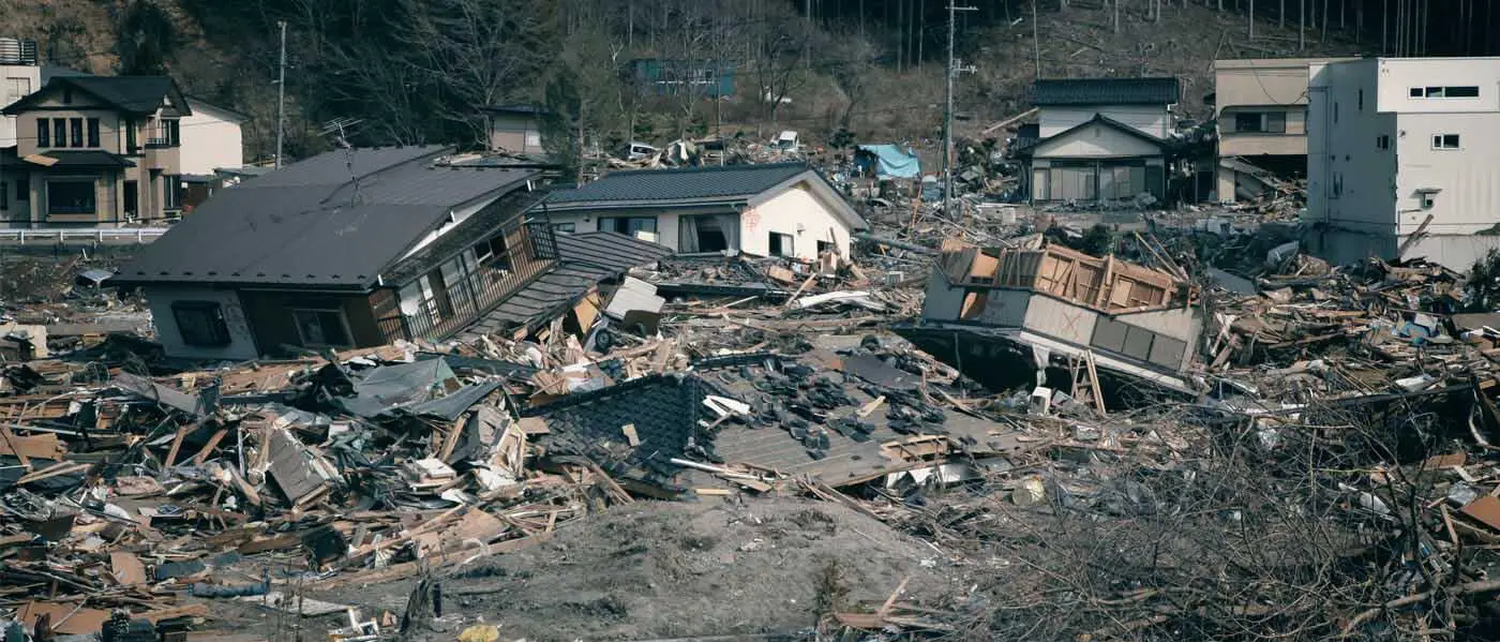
x,y
31,77
1351,182
1150,119
1468,177
796,211
1071,323
1097,141
1399,75
211,138
242,343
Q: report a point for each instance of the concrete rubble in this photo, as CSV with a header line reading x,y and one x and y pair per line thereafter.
x,y
1327,460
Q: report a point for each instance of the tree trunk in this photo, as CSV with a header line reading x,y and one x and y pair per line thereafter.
x,y
921,27
1301,25
1324,36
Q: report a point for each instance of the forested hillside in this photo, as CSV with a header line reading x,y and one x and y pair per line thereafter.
x,y
418,70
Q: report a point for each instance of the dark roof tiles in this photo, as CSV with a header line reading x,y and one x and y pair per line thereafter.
x,y
308,225
688,184
1105,91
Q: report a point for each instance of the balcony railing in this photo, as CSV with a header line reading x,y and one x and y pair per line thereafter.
x,y
459,305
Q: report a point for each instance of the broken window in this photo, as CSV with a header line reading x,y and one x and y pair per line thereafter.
x,y
780,245
708,233
322,327
1445,141
564,228
494,254
200,323
827,246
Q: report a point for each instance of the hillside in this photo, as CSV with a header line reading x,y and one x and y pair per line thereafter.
x,y
227,54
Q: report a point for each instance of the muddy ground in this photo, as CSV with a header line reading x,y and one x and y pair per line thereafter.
x,y
656,570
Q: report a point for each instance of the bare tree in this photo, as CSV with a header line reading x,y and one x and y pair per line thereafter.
x,y
477,53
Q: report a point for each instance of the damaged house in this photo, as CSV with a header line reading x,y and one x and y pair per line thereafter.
x,y
1100,139
1260,106
357,248
988,311
778,209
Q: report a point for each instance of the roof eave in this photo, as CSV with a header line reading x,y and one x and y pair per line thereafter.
x,y
574,206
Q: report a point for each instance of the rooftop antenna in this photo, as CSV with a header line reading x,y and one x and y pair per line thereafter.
x,y
337,131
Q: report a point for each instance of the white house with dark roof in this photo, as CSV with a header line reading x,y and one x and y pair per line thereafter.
x,y
780,209
1100,139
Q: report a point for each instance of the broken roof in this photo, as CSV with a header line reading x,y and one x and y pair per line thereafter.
x,y
1105,91
334,220
583,261
82,158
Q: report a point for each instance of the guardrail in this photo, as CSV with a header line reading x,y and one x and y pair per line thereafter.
x,y
82,235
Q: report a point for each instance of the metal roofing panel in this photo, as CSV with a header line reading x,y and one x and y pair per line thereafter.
x,y
1105,91
304,226
680,184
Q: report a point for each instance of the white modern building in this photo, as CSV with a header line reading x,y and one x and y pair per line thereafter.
x,y
1404,147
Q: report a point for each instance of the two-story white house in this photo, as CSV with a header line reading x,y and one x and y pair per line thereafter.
x,y
1403,147
1100,139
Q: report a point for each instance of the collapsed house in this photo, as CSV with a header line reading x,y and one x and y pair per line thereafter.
x,y
990,312
364,247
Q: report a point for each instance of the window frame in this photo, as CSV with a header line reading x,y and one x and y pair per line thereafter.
x,y
787,244
218,326
75,132
43,132
1440,142
655,224
59,132
338,313
92,125
81,180
1383,142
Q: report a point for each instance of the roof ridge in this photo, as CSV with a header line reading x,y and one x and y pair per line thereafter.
x,y
705,169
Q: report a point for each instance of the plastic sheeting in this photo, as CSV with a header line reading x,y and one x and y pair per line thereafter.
x,y
890,161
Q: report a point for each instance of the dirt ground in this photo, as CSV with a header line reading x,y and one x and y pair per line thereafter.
x,y
656,570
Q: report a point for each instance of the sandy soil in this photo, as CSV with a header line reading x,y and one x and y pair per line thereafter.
x,y
656,570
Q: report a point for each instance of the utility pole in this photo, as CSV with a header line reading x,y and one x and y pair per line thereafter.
x,y
948,113
281,97
1036,44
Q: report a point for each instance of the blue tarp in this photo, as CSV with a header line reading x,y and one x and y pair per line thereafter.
x,y
890,161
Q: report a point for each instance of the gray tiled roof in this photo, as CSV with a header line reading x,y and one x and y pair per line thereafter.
x,y
1105,91
136,94
694,184
313,223
583,261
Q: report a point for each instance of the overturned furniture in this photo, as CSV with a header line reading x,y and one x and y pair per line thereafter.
x,y
990,312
